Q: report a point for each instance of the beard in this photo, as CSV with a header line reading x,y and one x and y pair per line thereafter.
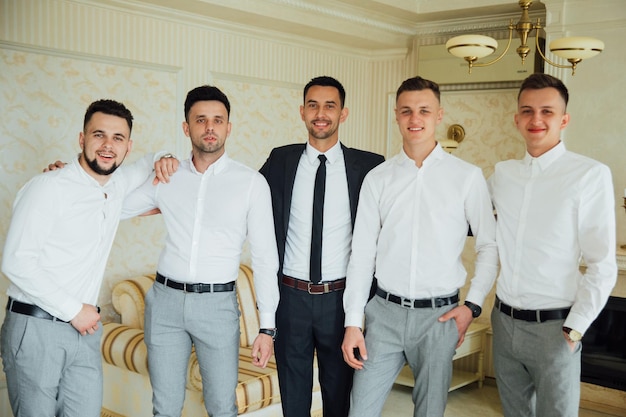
x,y
93,164
201,146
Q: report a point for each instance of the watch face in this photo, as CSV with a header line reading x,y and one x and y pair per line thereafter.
x,y
476,310
575,336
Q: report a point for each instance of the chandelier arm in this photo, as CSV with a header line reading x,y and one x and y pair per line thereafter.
x,y
554,64
508,45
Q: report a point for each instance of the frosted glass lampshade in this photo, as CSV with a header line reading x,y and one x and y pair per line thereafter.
x,y
478,46
576,47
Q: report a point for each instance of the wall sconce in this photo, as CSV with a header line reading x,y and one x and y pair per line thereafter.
x,y
573,49
455,135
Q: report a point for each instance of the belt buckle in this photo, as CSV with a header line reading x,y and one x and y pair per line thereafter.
x,y
310,285
407,303
191,287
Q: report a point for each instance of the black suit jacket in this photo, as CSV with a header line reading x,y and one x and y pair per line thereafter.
x,y
280,172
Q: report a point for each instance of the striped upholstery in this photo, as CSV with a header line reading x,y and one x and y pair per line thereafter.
x,y
128,299
123,344
124,347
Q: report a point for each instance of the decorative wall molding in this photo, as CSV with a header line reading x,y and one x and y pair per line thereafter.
x,y
489,23
342,43
64,53
255,80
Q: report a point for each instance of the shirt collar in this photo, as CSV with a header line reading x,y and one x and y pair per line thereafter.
x,y
215,168
436,154
545,160
332,155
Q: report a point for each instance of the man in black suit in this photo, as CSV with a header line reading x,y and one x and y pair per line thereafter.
x,y
310,315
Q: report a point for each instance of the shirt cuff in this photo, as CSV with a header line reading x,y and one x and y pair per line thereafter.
x,y
354,320
267,320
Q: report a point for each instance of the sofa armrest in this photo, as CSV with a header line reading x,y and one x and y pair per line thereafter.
x,y
124,347
128,299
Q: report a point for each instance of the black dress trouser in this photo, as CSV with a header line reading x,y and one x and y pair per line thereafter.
x,y
309,323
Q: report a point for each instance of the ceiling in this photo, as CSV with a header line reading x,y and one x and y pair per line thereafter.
x,y
366,25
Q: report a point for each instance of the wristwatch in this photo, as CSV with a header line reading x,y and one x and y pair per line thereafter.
x,y
573,335
269,332
475,309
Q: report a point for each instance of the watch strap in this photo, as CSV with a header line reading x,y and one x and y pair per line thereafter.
x,y
269,332
475,308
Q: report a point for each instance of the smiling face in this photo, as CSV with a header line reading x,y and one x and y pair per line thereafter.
x,y
540,118
208,128
418,113
322,114
105,142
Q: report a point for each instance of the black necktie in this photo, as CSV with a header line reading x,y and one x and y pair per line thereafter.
x,y
315,270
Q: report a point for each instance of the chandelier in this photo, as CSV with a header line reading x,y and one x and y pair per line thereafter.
x,y
573,49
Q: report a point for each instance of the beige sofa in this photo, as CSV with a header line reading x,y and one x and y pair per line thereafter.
x,y
127,390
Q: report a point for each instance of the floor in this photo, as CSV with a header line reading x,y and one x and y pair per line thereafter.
x,y
467,401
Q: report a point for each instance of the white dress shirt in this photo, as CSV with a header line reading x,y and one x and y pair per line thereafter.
x,y
208,217
337,227
61,234
411,228
551,211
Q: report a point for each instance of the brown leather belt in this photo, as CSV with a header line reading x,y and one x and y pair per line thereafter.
x,y
308,286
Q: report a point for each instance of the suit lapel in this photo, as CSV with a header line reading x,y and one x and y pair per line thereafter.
x,y
291,166
352,176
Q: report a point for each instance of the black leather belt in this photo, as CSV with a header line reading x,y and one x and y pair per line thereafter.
x,y
197,288
423,303
30,310
321,288
538,316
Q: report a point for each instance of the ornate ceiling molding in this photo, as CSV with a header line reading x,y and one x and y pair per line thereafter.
x,y
404,28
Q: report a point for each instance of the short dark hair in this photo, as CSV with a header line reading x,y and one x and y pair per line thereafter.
x,y
417,84
539,81
326,81
205,93
112,107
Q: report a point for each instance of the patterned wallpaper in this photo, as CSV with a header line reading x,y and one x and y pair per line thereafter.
x,y
263,114
44,100
487,117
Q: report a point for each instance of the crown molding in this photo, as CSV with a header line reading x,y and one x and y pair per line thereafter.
x,y
338,10
343,37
